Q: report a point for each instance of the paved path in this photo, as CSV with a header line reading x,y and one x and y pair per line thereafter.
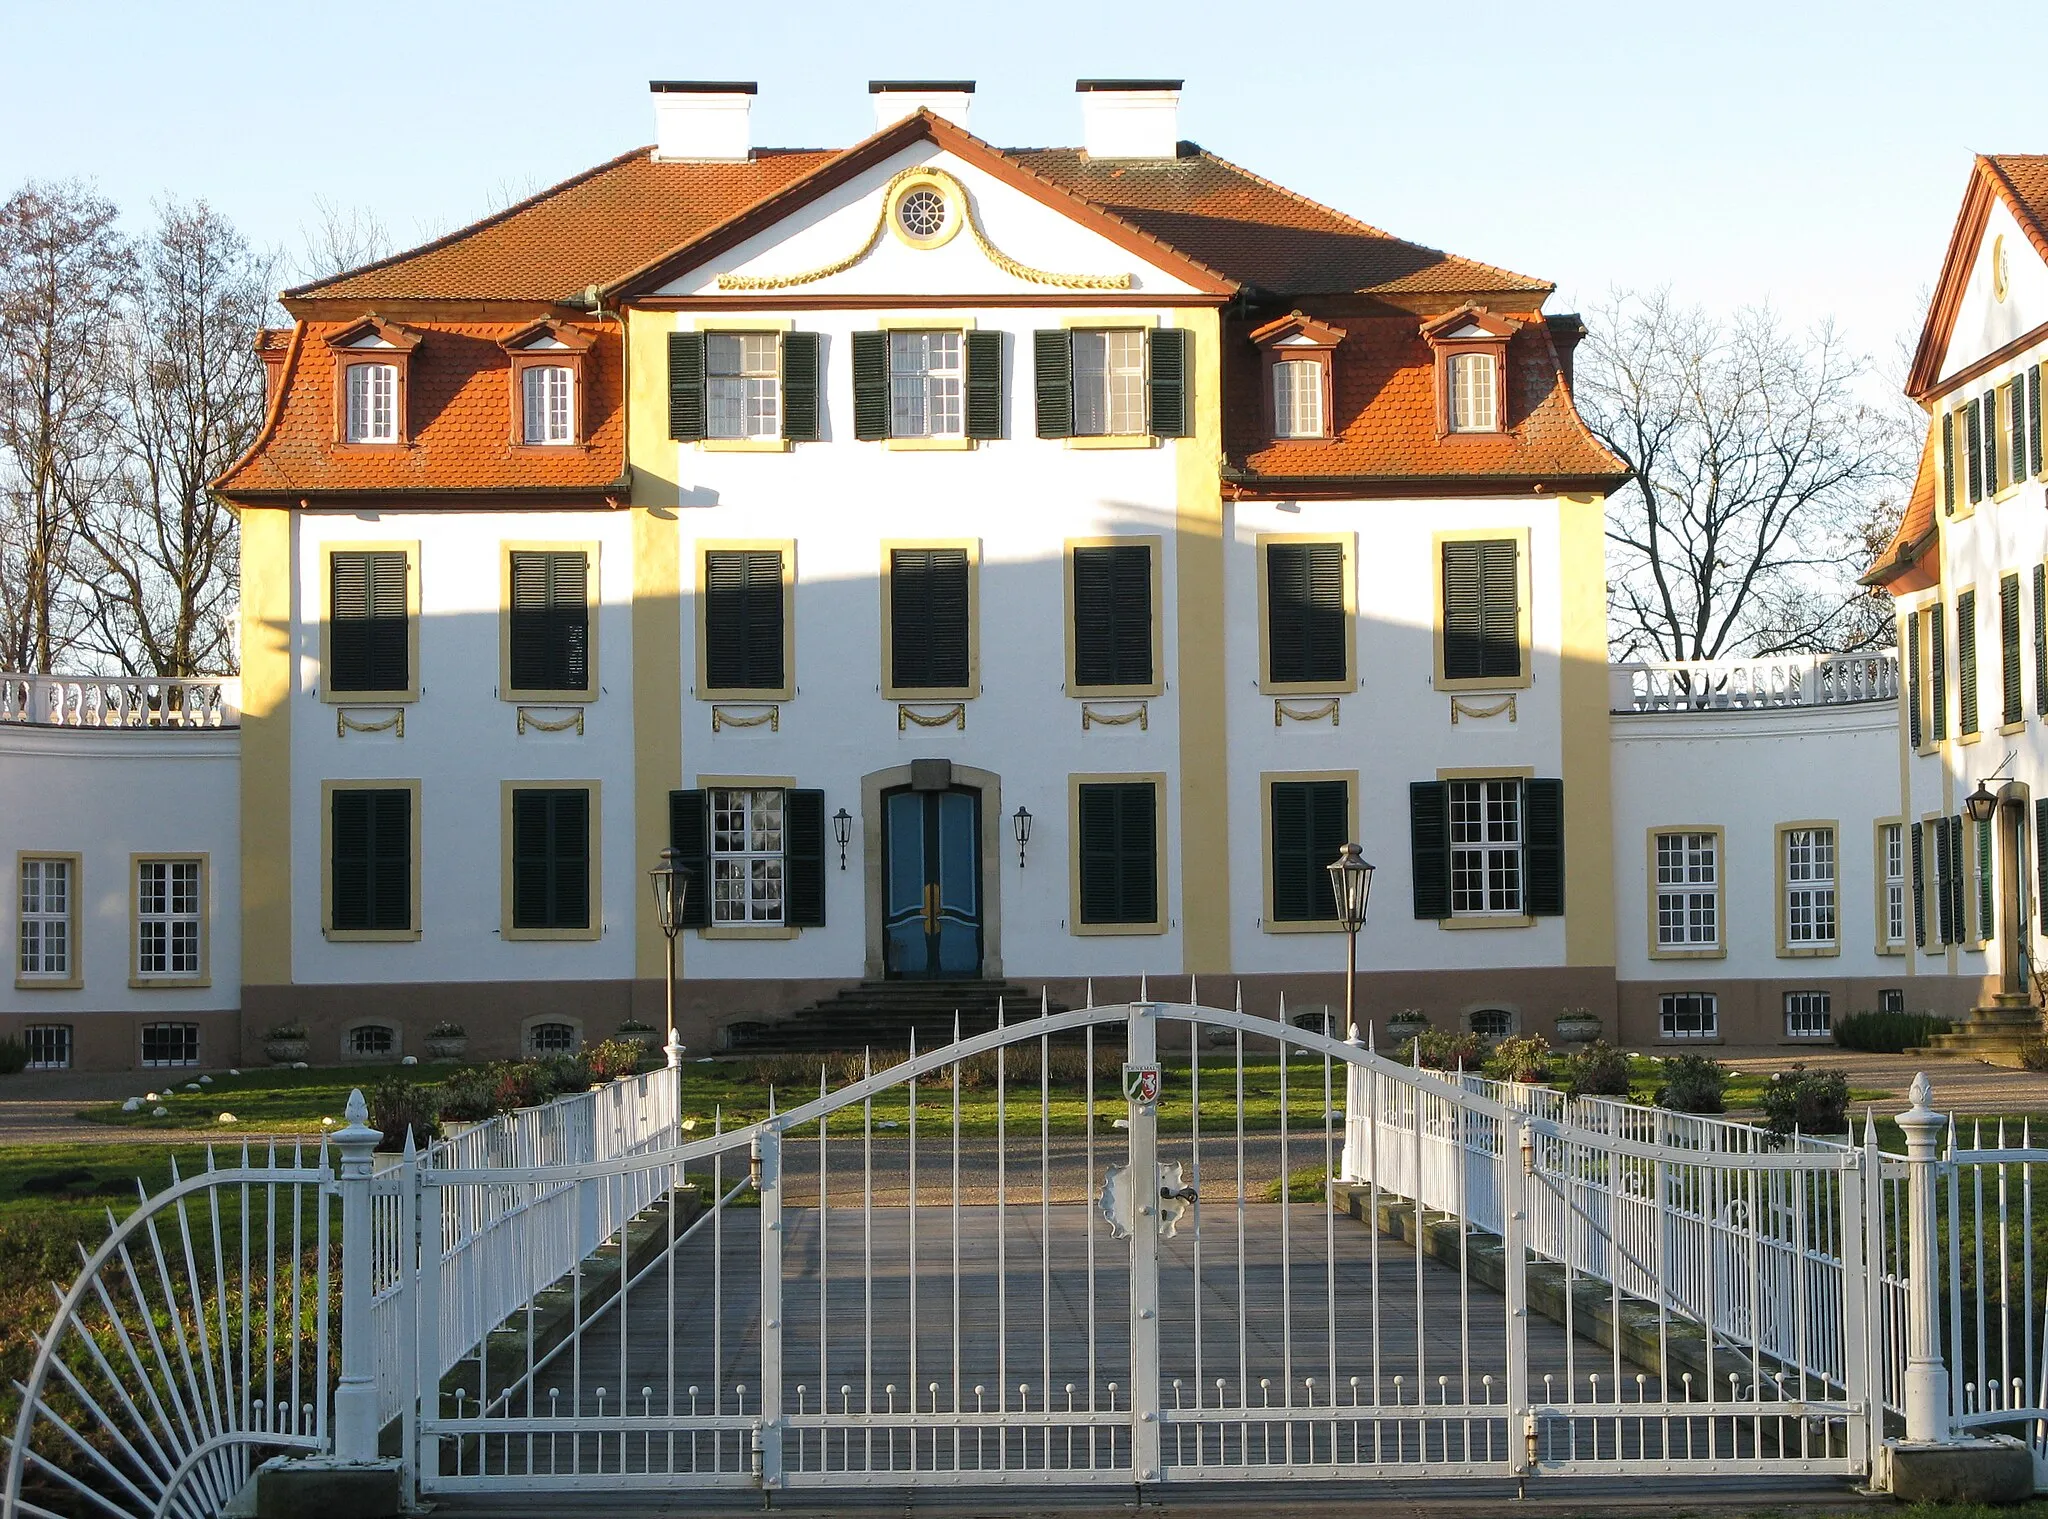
x,y
1960,1086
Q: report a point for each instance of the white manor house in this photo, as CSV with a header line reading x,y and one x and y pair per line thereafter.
x,y
1005,572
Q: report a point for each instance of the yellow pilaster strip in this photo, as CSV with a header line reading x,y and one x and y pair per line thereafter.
x,y
657,622
266,747
1588,767
1204,745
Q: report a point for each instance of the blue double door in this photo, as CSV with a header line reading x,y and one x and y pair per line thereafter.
x,y
932,888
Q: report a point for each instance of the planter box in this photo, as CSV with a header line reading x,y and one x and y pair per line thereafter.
x,y
448,1047
287,1051
1578,1030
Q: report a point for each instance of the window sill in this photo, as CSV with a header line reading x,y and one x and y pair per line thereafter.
x,y
1113,440
169,983
1815,952
1505,921
2006,729
369,698
543,450
1891,951
748,694
743,445
343,446
1963,740
1304,926
1500,683
918,694
582,698
1309,688
1108,930
748,931
1116,693
550,935
930,445
49,984
1681,1040
1689,954
371,935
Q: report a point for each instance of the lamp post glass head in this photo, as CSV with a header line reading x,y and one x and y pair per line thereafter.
x,y
670,885
1351,885
1021,823
1980,804
842,830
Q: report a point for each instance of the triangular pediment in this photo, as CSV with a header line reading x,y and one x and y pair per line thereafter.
x,y
1993,289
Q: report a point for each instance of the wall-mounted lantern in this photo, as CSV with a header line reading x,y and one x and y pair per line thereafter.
x,y
842,830
1021,824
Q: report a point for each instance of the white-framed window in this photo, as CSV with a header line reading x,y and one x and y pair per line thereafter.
x,y
551,1039
1109,382
927,383
369,1040
48,1046
1808,1015
1892,842
167,917
45,944
746,855
549,393
1298,399
170,1044
743,384
1809,887
1891,999
372,403
1688,891
1688,1015
1473,392
1486,848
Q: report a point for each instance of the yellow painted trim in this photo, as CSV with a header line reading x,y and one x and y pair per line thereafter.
x,y
1486,773
744,782
1155,547
1585,742
592,601
949,190
205,976
1882,945
745,324
596,863
364,935
1456,924
268,567
411,549
748,931
1519,536
1089,321
1719,949
1270,687
2007,729
74,944
1158,925
1786,949
1267,780
786,547
657,622
930,445
929,321
743,445
886,574
1109,442
1201,637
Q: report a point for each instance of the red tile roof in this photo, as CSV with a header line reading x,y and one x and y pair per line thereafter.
x,y
2021,181
1915,532
460,416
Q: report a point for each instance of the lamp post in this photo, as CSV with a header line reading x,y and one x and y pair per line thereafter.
x,y
1981,804
1351,885
671,886
1020,824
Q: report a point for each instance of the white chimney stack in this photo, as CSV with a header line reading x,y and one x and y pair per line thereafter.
x,y
705,120
1130,118
898,98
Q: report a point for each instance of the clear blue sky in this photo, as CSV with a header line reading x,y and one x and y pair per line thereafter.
x,y
1812,154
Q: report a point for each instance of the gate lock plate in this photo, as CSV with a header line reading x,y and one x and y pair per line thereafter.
x,y
1120,1202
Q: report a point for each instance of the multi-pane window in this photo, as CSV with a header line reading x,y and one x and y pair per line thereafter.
x,y
1307,630
369,634
747,855
46,903
1482,623
1688,891
743,384
927,380
1891,999
372,403
551,1039
1113,615
1688,1015
1809,887
549,628
370,847
1298,399
1474,407
1486,848
1892,845
169,918
743,620
547,394
1311,824
366,1041
551,858
1808,1015
170,1044
1119,852
931,619
48,1046
1109,383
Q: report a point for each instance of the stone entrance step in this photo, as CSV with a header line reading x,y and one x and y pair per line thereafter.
x,y
883,1015
1995,1033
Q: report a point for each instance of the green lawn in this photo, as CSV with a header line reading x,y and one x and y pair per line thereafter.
x,y
273,1101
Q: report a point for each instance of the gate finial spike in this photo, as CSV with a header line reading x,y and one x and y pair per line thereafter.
x,y
771,1099
1044,1001
1239,1006
1870,1123
1194,1000
1002,1015
1368,1036
821,1081
956,1023
409,1150
1091,991
1143,994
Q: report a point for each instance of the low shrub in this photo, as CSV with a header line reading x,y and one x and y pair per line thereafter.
x,y
399,1107
1597,1069
469,1096
1812,1102
1437,1049
1888,1033
13,1056
1523,1059
2034,1053
517,1084
1693,1084
612,1059
447,1028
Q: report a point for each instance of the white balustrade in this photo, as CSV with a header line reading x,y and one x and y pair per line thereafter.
x,y
121,701
1782,680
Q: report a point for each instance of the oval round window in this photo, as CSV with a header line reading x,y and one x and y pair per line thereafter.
x,y
922,213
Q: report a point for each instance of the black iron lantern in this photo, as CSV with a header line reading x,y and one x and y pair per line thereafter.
x,y
1020,823
670,884
842,830
1980,804
1351,885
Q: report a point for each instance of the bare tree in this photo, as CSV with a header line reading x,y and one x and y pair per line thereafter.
x,y
1760,475
64,269
340,239
165,573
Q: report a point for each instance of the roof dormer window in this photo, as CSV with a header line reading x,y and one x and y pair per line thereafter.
x,y
1300,386
1474,403
372,403
1471,348
372,364
549,393
547,384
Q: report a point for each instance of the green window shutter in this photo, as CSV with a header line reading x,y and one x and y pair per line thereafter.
x,y
1113,615
803,862
1948,462
2016,418
351,860
1988,409
1543,848
1956,879
984,384
1920,883
2015,703
800,387
2034,377
1429,847
370,636
551,859
1482,610
1913,673
1937,669
870,385
1311,824
1052,374
929,619
2041,846
686,386
689,834
1307,633
1119,852
743,620
1167,382
1973,440
1966,663
1944,899
1986,928
2041,639
549,636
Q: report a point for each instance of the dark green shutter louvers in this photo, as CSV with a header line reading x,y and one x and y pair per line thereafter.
x,y
369,635
870,385
1948,462
1986,929
2041,846
686,386
1307,639
1543,847
803,836
371,860
549,634
800,387
1113,615
1956,892
1937,668
2034,377
2015,697
984,384
1429,847
2041,638
930,608
689,834
1311,823
1166,379
1481,612
1052,382
1118,852
1920,885
743,620
1913,675
1989,408
2016,415
1973,439
551,859
1944,903
1966,663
